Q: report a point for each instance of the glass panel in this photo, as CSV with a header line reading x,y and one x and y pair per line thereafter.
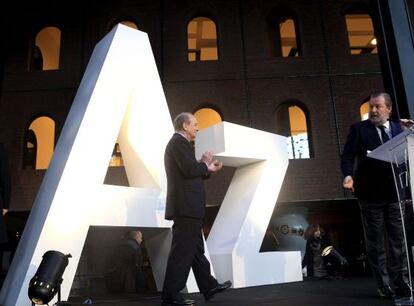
x,y
361,34
298,144
207,117
44,131
364,110
47,46
202,40
116,159
288,38
208,53
130,24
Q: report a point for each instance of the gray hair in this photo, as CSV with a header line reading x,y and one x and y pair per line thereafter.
x,y
181,119
386,97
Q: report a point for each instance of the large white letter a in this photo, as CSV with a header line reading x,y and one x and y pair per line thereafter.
x,y
120,79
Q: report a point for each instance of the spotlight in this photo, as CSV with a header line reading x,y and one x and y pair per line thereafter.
x,y
334,258
48,278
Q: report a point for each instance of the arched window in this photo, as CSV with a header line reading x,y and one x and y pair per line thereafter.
x,y
130,24
46,51
364,110
291,121
39,143
207,117
202,40
361,34
288,38
283,33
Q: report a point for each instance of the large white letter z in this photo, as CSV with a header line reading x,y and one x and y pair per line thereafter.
x,y
239,228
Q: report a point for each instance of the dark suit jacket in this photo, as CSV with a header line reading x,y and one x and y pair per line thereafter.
x,y
5,190
185,180
373,179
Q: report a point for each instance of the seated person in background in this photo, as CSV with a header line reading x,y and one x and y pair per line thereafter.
x,y
316,242
321,259
124,269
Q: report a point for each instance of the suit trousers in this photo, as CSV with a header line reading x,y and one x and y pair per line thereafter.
x,y
187,251
379,217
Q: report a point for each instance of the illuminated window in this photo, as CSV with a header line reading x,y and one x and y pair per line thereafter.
x,y
39,143
283,33
291,122
202,40
116,159
364,110
361,34
46,51
207,117
288,40
129,24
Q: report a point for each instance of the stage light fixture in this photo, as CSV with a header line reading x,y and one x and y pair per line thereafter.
x,y
330,253
48,278
334,258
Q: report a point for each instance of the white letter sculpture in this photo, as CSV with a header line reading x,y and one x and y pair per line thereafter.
x,y
240,226
121,97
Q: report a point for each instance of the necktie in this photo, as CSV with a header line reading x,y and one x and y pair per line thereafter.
x,y
384,135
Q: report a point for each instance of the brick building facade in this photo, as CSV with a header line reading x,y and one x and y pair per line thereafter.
x,y
246,85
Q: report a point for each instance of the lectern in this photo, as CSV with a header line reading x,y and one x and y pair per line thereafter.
x,y
399,152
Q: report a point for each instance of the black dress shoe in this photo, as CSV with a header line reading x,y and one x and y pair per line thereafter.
x,y
181,301
385,292
403,289
219,288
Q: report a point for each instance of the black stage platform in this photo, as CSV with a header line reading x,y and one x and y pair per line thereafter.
x,y
311,292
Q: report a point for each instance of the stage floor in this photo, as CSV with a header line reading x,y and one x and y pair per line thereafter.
x,y
352,291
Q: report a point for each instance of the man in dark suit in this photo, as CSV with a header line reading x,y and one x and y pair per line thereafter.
x,y
373,184
186,206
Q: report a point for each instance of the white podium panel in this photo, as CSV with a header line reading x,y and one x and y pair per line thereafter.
x,y
399,151
237,233
394,150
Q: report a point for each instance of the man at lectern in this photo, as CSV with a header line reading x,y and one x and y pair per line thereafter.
x,y
372,182
186,206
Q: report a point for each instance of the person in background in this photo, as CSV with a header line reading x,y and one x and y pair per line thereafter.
x,y
316,242
124,269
